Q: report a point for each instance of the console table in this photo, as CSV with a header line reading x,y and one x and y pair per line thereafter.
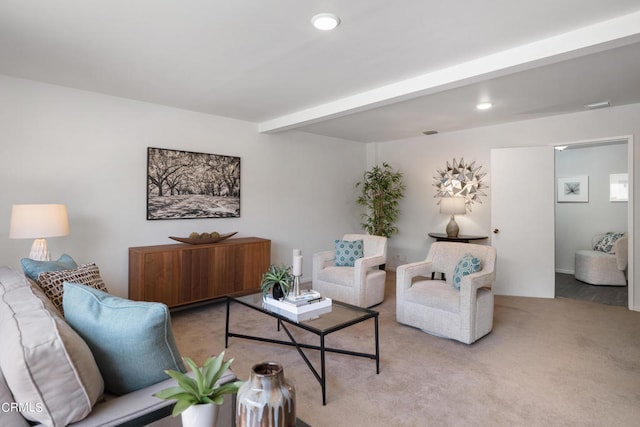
x,y
464,238
181,274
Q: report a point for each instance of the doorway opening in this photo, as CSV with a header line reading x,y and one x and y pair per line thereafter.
x,y
586,209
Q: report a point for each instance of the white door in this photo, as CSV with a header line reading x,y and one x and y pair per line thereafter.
x,y
522,220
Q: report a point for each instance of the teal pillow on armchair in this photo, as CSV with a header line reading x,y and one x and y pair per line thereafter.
x,y
347,252
132,341
467,265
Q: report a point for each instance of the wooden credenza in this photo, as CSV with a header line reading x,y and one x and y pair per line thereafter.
x,y
180,274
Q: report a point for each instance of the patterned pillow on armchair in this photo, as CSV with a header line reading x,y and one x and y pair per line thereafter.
x,y
606,243
347,252
467,265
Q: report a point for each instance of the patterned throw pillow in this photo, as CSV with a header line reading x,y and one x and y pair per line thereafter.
x,y
347,252
605,244
467,265
51,281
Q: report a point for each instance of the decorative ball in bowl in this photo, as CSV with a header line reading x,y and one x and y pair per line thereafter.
x,y
203,238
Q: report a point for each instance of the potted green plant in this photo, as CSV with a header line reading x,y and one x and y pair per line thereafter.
x,y
277,280
199,397
381,189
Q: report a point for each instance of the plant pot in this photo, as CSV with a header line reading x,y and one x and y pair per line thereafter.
x,y
266,399
276,292
205,415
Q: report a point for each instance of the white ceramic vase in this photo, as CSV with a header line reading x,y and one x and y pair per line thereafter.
x,y
205,415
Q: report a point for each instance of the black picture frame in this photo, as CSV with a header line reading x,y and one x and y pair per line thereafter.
x,y
190,185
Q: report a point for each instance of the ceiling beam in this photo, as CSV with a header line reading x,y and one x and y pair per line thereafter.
x,y
594,38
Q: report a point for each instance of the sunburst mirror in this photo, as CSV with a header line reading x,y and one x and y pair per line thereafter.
x,y
460,179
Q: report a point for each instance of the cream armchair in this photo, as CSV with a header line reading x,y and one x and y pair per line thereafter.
x,y
362,284
427,302
600,267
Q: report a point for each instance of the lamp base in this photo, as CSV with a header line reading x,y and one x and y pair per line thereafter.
x,y
452,228
40,251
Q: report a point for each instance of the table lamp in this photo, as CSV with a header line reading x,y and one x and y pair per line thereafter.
x,y
38,222
453,206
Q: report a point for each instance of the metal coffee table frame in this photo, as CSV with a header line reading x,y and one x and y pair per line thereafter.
x,y
254,301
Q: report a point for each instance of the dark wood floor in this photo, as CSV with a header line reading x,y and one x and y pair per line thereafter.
x,y
568,287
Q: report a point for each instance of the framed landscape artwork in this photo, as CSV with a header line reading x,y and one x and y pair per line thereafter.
x,y
187,185
573,189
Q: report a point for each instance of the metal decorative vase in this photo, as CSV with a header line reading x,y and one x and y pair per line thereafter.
x,y
266,399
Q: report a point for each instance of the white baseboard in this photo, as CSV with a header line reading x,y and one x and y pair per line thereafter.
x,y
560,270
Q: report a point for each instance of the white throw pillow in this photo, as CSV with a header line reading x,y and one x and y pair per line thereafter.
x,y
48,367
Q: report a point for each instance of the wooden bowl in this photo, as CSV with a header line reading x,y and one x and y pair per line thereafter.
x,y
198,241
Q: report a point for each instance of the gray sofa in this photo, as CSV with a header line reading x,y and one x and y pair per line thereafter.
x,y
48,376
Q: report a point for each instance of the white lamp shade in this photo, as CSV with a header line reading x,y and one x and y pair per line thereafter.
x,y
38,221
453,205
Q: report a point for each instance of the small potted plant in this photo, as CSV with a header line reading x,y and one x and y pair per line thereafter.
x,y
277,280
198,397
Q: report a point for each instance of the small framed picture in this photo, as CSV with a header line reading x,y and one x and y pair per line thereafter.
x,y
619,187
573,189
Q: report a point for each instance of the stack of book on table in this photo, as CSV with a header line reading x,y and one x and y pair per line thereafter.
x,y
306,306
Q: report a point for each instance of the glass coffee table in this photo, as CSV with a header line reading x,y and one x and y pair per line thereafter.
x,y
342,316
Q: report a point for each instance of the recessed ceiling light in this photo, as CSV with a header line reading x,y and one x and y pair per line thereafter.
x,y
560,147
484,106
325,21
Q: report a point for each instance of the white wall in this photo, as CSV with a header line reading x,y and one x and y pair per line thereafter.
x,y
89,151
578,223
420,157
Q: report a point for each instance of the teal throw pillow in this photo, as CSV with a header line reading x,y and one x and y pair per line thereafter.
x,y
347,252
32,268
467,265
132,341
605,244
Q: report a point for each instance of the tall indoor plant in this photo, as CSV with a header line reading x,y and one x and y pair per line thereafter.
x,y
198,397
381,189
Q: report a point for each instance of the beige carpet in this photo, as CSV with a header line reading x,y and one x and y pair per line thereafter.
x,y
556,362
